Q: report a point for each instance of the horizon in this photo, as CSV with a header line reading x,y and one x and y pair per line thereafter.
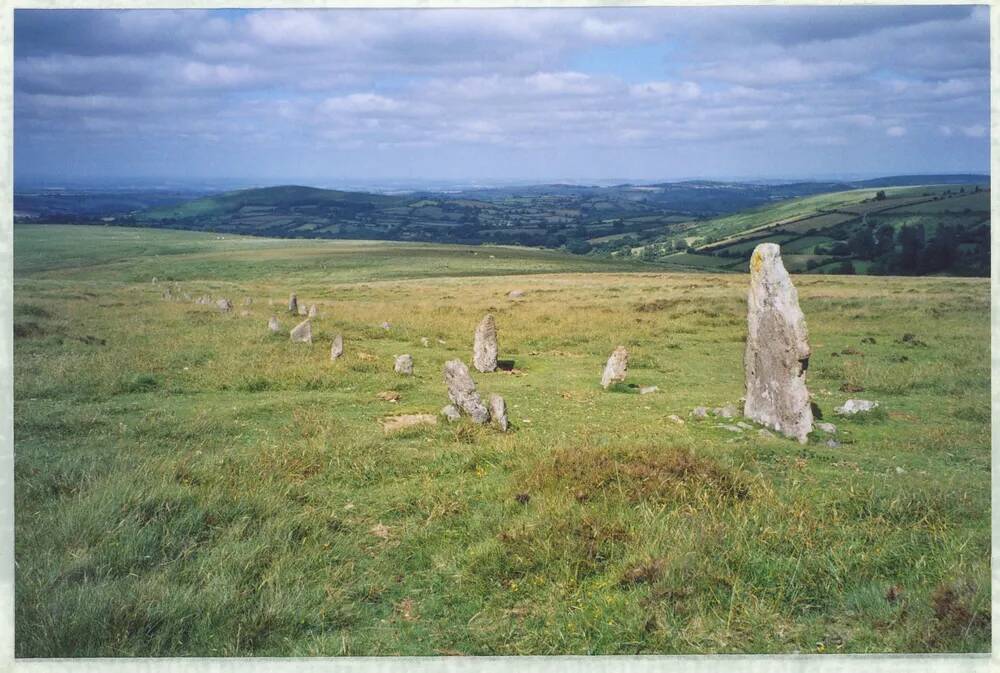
x,y
518,96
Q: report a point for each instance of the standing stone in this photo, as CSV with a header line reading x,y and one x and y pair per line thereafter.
x,y
293,304
302,333
224,305
451,412
313,311
425,342
273,324
485,348
404,364
337,347
303,310
515,294
498,411
616,369
462,391
777,349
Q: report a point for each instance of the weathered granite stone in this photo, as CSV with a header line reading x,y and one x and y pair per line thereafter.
x,y
404,364
515,294
451,412
828,428
616,368
425,342
248,301
303,310
777,348
293,304
700,412
313,311
728,411
337,347
224,305
646,390
852,407
273,324
302,333
462,391
498,411
484,347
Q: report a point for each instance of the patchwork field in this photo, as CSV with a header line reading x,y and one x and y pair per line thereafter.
x,y
187,483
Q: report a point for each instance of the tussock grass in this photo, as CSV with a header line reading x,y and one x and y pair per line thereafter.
x,y
187,483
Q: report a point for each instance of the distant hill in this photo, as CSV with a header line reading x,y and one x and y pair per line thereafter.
x,y
648,219
915,230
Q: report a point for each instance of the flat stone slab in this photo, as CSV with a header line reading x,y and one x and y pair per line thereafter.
x,y
396,423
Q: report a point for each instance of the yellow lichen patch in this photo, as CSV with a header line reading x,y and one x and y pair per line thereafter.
x,y
756,261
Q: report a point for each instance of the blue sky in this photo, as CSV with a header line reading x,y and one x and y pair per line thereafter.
x,y
536,94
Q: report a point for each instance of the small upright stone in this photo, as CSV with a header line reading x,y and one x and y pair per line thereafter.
x,y
425,342
616,368
451,412
302,333
224,305
498,411
462,391
485,348
293,304
273,324
777,349
337,347
303,310
386,325
313,311
515,294
404,364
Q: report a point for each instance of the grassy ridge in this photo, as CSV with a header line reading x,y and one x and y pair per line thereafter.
x,y
187,484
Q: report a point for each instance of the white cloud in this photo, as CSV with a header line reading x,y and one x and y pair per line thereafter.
x,y
896,131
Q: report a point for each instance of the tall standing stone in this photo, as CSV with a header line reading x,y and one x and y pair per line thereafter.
x,y
777,349
616,368
302,333
462,391
313,311
293,304
485,348
337,347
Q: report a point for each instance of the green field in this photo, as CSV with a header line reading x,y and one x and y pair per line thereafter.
x,y
188,484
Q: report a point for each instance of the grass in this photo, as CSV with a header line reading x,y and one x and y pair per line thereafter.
x,y
188,484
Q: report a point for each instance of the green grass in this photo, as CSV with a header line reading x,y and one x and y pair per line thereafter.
x,y
188,484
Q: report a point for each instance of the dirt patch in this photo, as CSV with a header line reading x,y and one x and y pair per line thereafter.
x,y
637,474
396,423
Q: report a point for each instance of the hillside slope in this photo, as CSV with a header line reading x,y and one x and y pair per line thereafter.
x,y
911,230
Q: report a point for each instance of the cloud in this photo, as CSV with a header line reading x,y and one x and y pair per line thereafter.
x,y
531,87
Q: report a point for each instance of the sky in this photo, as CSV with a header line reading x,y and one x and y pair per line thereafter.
x,y
640,94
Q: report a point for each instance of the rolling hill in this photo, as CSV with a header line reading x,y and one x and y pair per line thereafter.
x,y
697,224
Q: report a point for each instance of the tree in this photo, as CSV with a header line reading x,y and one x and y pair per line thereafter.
x,y
880,195
911,243
941,251
845,268
862,242
885,240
